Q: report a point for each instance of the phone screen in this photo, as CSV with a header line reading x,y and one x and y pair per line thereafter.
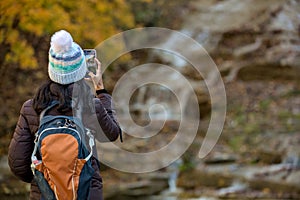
x,y
90,55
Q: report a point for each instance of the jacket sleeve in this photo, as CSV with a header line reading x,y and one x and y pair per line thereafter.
x,y
106,119
20,149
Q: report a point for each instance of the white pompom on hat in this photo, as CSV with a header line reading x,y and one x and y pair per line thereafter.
x,y
66,59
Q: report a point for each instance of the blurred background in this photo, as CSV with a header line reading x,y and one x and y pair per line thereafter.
x,y
254,43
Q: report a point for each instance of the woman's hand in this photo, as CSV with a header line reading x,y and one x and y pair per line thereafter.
x,y
96,79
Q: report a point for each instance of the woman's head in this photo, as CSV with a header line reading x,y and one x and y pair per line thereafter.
x,y
66,59
66,69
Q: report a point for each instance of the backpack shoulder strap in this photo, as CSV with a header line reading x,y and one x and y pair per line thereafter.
x,y
44,112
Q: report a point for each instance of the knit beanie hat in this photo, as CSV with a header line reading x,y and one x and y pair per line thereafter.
x,y
66,59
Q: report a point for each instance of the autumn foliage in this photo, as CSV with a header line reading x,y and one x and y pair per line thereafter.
x,y
25,30
26,27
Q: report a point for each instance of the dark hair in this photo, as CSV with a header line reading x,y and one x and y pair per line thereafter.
x,y
65,94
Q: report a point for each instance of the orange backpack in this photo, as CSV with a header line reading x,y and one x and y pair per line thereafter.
x,y
61,161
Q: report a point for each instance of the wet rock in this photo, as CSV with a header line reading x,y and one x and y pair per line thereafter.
x,y
281,148
269,157
220,154
147,185
217,158
236,187
145,188
237,181
243,34
203,178
293,178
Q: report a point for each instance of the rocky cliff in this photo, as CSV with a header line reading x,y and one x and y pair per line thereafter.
x,y
246,37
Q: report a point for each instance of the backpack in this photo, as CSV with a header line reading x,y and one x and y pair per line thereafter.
x,y
61,161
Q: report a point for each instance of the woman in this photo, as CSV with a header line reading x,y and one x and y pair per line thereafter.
x,y
67,85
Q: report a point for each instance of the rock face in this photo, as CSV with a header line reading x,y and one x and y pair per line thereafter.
x,y
248,40
267,30
253,33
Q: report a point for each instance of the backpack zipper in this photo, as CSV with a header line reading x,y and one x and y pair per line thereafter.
x,y
38,140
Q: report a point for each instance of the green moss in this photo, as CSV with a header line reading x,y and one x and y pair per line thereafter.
x,y
236,142
264,104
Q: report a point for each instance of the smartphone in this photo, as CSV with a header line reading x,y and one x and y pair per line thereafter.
x,y
90,55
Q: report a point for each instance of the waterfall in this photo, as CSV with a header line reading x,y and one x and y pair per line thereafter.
x,y
174,169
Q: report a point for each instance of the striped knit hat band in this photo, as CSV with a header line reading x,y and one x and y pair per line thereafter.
x,y
66,59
